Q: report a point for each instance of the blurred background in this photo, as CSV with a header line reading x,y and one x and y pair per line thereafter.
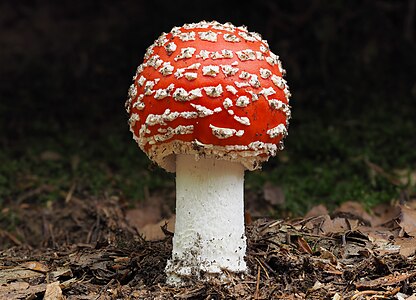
x,y
65,68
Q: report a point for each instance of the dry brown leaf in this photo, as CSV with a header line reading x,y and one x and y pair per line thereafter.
x,y
149,212
53,292
153,232
355,209
408,220
17,273
337,225
273,194
388,280
303,245
316,211
384,213
381,238
376,235
35,266
313,223
20,290
325,254
407,246
13,286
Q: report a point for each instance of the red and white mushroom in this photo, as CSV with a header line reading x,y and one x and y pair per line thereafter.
x,y
209,102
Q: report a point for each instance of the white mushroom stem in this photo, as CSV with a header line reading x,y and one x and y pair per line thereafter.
x,y
209,230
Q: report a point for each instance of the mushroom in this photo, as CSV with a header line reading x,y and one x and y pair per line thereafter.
x,y
208,103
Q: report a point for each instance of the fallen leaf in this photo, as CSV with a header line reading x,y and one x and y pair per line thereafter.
x,y
17,273
303,245
376,234
313,223
14,286
35,266
325,254
151,211
408,220
384,213
153,232
353,210
336,225
20,290
273,194
407,246
316,211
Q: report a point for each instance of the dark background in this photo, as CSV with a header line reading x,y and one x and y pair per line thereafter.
x,y
65,67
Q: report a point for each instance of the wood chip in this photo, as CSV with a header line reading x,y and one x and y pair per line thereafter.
x,y
53,292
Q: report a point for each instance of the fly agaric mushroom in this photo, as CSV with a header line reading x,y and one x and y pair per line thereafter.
x,y
208,103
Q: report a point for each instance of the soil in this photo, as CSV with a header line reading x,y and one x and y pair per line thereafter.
x,y
85,248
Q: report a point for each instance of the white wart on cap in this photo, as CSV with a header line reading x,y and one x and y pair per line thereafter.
x,y
210,89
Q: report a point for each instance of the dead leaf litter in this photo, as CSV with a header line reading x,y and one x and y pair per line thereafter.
x,y
87,249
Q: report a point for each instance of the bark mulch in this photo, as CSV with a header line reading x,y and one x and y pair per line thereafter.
x,y
86,249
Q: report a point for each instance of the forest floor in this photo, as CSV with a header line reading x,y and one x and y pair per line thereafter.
x,y
81,208
100,248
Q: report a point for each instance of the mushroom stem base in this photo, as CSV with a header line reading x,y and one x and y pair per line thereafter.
x,y
209,231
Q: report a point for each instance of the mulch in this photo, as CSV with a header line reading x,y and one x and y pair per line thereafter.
x,y
86,249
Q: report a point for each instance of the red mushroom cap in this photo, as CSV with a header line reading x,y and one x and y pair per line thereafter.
x,y
210,89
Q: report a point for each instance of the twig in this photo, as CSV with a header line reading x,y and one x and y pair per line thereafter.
x,y
70,192
11,237
264,269
268,268
256,293
368,292
103,289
